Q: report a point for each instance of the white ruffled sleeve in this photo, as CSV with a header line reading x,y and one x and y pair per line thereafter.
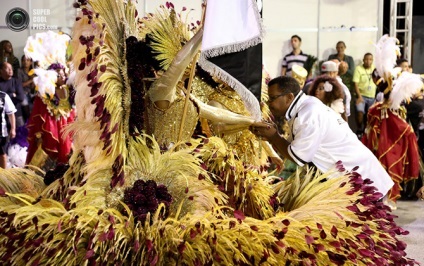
x,y
338,106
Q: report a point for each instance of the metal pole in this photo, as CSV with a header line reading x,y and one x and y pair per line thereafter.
x,y
319,29
408,24
393,15
380,20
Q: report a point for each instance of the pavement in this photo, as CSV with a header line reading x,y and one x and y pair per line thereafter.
x,y
411,218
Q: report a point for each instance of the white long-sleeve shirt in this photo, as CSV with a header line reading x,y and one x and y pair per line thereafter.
x,y
321,136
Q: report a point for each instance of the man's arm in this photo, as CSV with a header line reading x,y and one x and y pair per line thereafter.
x,y
283,71
351,65
284,66
19,95
355,81
358,94
281,145
12,132
270,133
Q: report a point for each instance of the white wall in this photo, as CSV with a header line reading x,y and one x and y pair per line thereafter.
x,y
48,14
318,22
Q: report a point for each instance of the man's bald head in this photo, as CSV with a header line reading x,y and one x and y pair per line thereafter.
x,y
6,71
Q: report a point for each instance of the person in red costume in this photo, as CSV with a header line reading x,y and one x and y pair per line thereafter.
x,y
392,139
49,116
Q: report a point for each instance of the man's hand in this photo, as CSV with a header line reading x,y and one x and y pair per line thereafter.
x,y
359,99
279,163
264,130
12,133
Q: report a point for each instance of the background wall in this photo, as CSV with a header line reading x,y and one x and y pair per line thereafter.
x,y
320,23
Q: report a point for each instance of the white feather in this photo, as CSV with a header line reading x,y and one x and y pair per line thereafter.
x,y
386,52
47,48
404,88
45,82
17,155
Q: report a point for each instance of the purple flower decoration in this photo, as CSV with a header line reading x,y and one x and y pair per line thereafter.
x,y
55,66
145,197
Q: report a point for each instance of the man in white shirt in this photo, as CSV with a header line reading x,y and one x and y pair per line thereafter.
x,y
318,134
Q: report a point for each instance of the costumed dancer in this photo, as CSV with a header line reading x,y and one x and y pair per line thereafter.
x,y
52,111
124,200
388,135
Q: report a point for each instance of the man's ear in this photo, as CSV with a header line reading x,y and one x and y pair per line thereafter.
x,y
290,97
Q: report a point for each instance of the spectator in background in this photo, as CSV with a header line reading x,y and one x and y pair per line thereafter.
x,y
346,67
403,64
329,91
13,87
365,91
6,108
296,57
27,84
331,69
342,57
6,55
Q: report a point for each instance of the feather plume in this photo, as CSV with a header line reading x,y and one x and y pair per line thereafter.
x,y
169,31
45,82
386,53
17,155
404,87
47,48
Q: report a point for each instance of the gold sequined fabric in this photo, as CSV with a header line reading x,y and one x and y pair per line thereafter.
x,y
201,89
165,125
245,144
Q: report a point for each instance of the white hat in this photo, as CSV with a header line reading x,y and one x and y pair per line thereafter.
x,y
329,66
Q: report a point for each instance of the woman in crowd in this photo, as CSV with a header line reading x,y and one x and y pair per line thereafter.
x,y
342,57
27,84
347,72
329,91
6,55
